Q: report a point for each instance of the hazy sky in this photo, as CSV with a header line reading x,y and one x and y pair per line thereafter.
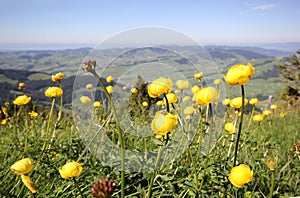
x,y
206,21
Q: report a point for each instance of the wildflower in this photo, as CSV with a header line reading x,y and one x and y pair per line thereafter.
x,y
266,112
28,183
195,89
163,123
124,88
103,188
207,95
273,106
89,86
3,122
33,114
89,66
253,101
240,175
160,103
22,166
239,74
145,104
217,81
182,84
21,85
189,110
160,86
258,118
198,75
229,127
109,79
226,102
282,114
97,104
53,92
172,98
70,169
185,99
85,99
237,102
270,164
58,77
22,100
109,89
134,90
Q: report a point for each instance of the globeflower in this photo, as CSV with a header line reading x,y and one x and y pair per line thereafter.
x,y
70,169
33,114
182,84
185,99
85,99
134,90
22,166
240,175
58,77
160,86
229,127
97,104
21,85
273,106
237,102
109,89
253,101
217,81
198,75
239,74
89,86
163,123
172,98
22,100
226,102
258,118
266,112
207,95
145,104
53,92
195,89
109,79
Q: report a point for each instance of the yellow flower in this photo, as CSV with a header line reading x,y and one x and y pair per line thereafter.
x,y
172,98
134,90
53,92
160,102
124,88
207,95
70,169
189,110
145,104
270,164
160,86
109,79
163,123
273,106
22,166
109,89
89,86
185,99
33,114
282,114
240,175
253,101
22,100
182,84
85,99
266,112
21,85
237,102
258,118
58,77
239,74
217,81
97,104
28,183
4,121
198,75
226,102
195,89
229,127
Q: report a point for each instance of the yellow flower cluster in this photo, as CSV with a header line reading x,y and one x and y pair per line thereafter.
x,y
58,77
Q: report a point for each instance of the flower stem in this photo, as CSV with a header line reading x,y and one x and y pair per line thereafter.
x,y
240,126
76,185
120,132
167,103
272,184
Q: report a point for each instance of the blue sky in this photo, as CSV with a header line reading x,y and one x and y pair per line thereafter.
x,y
206,21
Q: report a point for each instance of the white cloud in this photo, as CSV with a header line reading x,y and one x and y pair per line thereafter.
x,y
263,7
